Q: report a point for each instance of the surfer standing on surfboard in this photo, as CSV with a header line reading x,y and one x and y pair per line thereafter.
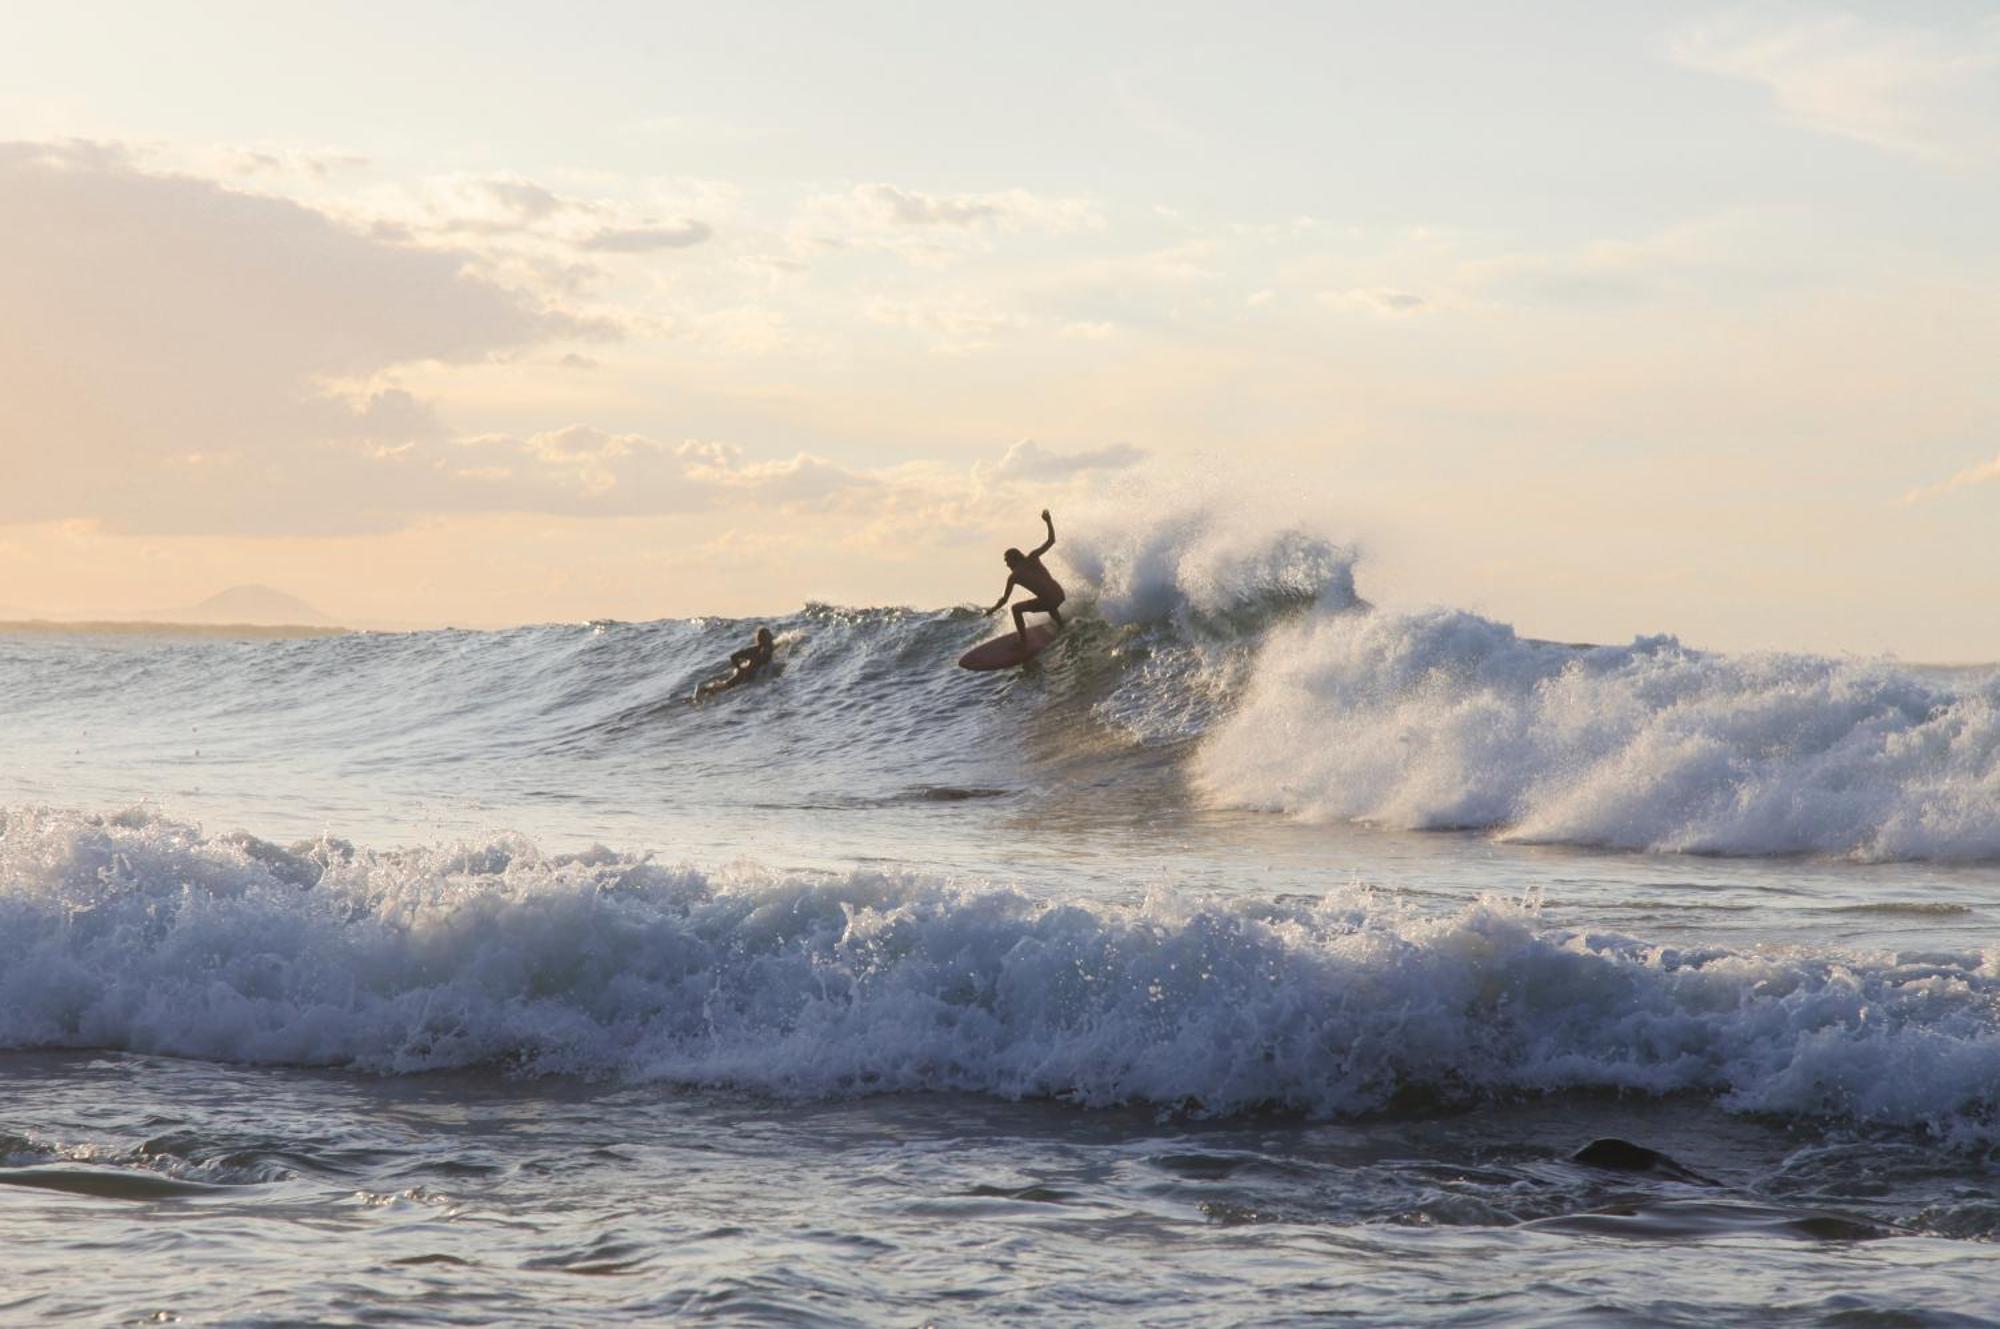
x,y
1027,570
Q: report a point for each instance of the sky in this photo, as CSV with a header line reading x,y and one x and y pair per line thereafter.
x,y
1602,319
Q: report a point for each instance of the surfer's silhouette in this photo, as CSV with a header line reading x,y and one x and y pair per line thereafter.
x,y
744,665
1027,570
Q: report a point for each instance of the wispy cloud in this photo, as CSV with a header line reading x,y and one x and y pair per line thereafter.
x,y
1382,300
1929,92
1029,460
1984,473
582,470
1741,252
646,239
949,323
526,198
928,228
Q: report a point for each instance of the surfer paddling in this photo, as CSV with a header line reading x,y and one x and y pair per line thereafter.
x,y
744,665
1027,570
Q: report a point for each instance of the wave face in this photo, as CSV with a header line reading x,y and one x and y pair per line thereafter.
x,y
1446,719
141,934
1236,658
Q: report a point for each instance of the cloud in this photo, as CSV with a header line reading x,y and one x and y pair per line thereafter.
x,y
526,198
1377,300
1738,253
583,470
908,208
1012,209
528,233
183,357
800,480
1029,460
949,505
1984,473
1585,281
1130,290
1926,92
950,324
152,318
317,167
931,228
646,239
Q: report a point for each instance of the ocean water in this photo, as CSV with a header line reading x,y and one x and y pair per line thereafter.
x,y
1260,956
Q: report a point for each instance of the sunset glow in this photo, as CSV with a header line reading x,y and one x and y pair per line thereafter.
x,y
1664,322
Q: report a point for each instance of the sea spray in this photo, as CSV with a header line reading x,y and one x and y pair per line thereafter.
x,y
1191,588
1208,568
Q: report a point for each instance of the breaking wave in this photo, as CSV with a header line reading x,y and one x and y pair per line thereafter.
x,y
1446,719
1239,654
141,934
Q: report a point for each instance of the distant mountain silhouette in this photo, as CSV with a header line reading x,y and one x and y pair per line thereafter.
x,y
247,604
262,607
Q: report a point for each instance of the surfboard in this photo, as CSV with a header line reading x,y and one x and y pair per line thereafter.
x,y
1006,652
715,687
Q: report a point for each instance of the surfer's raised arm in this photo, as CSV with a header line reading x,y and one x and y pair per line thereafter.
x,y
1049,543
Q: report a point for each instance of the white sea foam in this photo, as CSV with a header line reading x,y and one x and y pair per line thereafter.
x,y
1447,719
1191,587
1203,565
137,933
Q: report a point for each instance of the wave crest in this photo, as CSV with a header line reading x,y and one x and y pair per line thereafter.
x,y
1201,567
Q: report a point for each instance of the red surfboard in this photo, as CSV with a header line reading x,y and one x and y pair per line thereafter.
x,y
1006,652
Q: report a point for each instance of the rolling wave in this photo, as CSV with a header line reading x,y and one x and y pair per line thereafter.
x,y
1242,654
138,933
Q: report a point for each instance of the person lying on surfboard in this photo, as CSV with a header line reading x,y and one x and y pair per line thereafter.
x,y
1027,570
744,665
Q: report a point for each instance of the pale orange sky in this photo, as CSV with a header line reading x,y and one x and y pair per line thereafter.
x,y
1602,322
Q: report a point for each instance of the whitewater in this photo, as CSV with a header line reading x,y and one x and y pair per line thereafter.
x,y
1261,954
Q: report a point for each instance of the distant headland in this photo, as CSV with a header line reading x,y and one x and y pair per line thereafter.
x,y
239,611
